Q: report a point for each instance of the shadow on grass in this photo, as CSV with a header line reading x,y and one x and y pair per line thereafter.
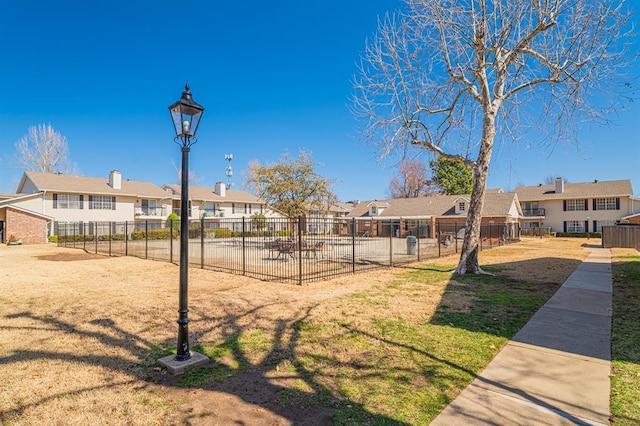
x,y
310,372
293,394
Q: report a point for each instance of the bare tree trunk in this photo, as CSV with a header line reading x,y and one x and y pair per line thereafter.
x,y
470,246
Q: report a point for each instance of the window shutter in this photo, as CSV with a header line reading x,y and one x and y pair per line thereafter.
x,y
55,206
594,204
55,224
113,203
565,226
618,203
81,201
90,202
586,204
586,226
595,226
564,209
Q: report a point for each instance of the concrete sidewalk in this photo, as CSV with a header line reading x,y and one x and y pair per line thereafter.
x,y
556,369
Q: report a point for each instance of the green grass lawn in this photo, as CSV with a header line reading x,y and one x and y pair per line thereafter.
x,y
625,380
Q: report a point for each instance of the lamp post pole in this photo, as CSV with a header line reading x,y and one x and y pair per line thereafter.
x,y
186,115
183,352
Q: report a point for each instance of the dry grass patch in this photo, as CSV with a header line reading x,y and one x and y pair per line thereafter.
x,y
80,334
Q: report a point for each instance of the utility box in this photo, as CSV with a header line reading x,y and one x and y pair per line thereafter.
x,y
412,243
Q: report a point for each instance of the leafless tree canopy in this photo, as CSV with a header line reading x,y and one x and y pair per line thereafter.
x,y
44,150
450,76
411,181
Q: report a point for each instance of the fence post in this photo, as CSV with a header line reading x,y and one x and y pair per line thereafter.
x,y
490,235
299,250
438,237
353,245
391,242
455,235
418,240
110,237
126,238
84,239
146,239
202,243
96,232
244,254
171,241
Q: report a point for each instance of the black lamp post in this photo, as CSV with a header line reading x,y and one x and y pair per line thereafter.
x,y
186,115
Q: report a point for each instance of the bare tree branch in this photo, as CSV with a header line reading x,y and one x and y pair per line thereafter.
x,y
451,77
43,150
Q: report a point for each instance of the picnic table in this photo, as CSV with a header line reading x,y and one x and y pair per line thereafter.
x,y
289,248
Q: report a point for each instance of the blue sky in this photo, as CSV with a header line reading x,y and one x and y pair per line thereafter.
x,y
274,77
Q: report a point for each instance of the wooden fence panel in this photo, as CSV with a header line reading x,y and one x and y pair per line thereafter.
x,y
621,236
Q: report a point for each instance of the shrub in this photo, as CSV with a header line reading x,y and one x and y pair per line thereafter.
x,y
579,234
52,238
154,234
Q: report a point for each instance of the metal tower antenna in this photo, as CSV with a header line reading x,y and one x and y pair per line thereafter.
x,y
229,173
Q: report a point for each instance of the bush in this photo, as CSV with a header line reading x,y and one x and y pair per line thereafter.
x,y
52,238
579,234
154,234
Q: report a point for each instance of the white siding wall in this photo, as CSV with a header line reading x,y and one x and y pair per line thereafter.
x,y
124,211
555,216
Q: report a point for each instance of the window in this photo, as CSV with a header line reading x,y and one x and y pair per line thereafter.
x,y
461,206
67,201
209,209
374,211
606,204
598,224
575,205
68,228
103,202
532,224
575,226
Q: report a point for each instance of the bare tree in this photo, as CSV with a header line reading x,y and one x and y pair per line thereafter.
x,y
449,76
44,150
551,179
411,181
193,180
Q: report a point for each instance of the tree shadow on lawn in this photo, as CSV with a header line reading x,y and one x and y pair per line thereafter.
x,y
292,371
234,388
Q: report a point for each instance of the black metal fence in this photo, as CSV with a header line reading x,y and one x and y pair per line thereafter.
x,y
296,251
535,232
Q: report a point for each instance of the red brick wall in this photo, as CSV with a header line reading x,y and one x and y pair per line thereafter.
x,y
28,228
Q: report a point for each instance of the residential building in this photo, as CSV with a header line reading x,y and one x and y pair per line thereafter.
x,y
78,200
215,205
323,220
399,216
577,207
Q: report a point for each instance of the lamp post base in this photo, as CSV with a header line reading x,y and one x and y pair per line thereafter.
x,y
176,368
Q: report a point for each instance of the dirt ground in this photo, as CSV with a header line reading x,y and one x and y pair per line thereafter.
x,y
78,332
